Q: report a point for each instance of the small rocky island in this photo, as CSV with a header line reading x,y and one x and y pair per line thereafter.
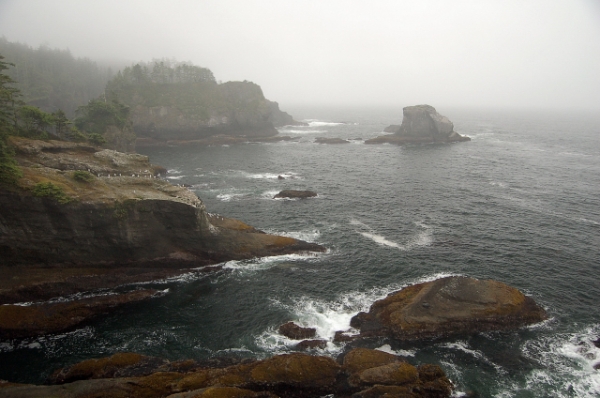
x,y
421,124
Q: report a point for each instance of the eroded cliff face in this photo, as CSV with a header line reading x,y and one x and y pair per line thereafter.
x,y
120,213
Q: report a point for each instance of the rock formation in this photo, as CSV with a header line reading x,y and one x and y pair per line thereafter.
x,y
446,307
420,124
195,112
280,118
336,140
81,219
362,372
294,194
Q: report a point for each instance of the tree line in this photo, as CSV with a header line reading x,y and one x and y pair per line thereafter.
x,y
52,79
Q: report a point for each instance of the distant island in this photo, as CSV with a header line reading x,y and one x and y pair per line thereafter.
x,y
421,124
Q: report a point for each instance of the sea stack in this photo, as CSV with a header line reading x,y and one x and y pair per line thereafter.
x,y
420,124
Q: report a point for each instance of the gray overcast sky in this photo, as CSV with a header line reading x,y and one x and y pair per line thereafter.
x,y
537,53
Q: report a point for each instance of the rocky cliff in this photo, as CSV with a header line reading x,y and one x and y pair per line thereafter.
x,y
81,218
420,124
194,111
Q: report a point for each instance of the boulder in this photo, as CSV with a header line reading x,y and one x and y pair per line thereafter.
x,y
448,306
293,331
293,194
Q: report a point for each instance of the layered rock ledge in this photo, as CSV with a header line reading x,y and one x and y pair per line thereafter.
x,y
421,124
82,219
359,373
448,307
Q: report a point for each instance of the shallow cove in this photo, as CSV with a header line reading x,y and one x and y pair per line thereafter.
x,y
519,203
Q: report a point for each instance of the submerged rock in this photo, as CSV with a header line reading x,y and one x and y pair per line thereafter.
x,y
420,124
448,306
293,194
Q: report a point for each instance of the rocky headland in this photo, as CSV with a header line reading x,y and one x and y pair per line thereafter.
x,y
82,219
421,124
199,112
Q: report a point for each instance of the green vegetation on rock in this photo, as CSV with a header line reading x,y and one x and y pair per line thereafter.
x,y
51,190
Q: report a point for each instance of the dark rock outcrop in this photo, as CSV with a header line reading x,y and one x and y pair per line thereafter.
x,y
293,331
311,344
325,140
365,373
294,194
448,306
421,124
18,321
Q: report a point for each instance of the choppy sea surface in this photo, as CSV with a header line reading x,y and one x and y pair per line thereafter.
x,y
520,203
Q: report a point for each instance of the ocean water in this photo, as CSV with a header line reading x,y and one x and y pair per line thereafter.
x,y
520,203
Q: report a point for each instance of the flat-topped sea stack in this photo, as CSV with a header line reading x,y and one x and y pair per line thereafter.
x,y
448,307
421,124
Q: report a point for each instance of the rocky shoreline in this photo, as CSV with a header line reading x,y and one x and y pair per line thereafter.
x,y
360,373
83,220
443,308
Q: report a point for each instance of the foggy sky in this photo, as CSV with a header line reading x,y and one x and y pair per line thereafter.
x,y
541,54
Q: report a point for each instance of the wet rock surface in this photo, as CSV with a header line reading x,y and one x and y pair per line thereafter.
x,y
363,373
446,307
294,331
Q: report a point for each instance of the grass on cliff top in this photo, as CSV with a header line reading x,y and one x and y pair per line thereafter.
x,y
65,186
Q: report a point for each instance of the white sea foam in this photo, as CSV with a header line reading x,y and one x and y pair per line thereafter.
x,y
263,263
424,237
270,195
320,123
464,347
328,317
568,361
228,197
174,171
271,176
175,177
299,131
308,236
404,353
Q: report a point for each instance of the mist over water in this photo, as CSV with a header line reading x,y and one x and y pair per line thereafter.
x,y
519,203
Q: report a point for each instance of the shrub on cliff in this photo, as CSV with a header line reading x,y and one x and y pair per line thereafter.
x,y
82,176
50,190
